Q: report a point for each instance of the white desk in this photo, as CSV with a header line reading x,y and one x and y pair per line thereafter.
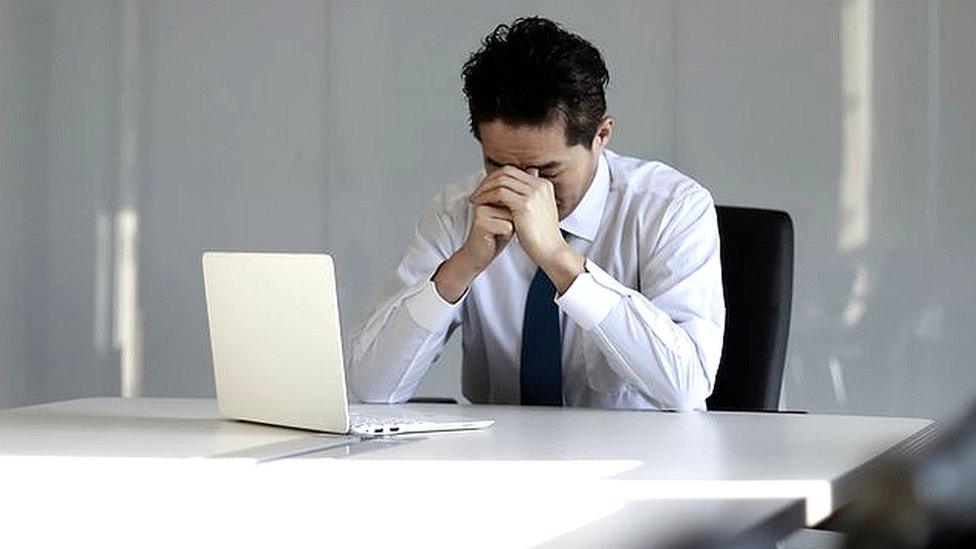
x,y
630,477
818,458
146,427
83,501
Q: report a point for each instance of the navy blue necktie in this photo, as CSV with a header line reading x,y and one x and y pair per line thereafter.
x,y
541,373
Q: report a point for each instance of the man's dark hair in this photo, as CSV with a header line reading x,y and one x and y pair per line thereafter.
x,y
533,72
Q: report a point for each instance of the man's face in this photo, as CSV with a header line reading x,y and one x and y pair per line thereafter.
x,y
570,169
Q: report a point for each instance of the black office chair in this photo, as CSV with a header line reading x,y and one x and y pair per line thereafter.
x,y
757,274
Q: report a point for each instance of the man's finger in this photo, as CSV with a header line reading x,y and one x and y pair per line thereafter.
x,y
506,181
495,212
527,176
499,227
501,195
510,171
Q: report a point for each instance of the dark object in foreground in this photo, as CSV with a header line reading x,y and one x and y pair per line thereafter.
x,y
927,502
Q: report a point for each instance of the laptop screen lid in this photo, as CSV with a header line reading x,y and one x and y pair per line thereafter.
x,y
275,339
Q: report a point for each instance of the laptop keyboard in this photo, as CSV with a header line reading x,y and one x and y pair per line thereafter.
x,y
357,419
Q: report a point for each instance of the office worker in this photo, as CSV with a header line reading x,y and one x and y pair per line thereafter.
x,y
580,277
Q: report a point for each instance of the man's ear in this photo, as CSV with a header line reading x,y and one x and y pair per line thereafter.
x,y
603,133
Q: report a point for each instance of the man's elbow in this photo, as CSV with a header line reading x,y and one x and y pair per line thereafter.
x,y
692,394
688,401
364,387
374,398
368,391
373,395
698,384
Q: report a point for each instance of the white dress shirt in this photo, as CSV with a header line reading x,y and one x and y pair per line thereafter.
x,y
642,327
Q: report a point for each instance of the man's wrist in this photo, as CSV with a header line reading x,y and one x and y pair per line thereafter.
x,y
563,266
454,276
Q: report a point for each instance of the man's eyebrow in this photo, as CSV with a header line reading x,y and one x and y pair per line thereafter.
x,y
546,166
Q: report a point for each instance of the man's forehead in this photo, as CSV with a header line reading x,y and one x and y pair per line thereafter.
x,y
523,145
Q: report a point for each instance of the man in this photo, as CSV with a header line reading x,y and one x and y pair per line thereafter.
x,y
579,277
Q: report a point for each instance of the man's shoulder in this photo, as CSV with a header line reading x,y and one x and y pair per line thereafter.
x,y
645,181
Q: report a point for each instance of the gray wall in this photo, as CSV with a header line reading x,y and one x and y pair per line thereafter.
x,y
307,125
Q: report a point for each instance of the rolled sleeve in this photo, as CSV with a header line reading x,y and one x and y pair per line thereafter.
x,y
429,310
590,298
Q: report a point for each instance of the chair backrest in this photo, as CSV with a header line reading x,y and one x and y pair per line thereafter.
x,y
757,274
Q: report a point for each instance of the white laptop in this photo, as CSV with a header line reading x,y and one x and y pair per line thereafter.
x,y
277,350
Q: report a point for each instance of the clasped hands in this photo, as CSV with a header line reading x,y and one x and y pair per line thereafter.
x,y
507,202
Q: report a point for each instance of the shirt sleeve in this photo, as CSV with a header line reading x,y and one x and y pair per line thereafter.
x,y
666,339
410,323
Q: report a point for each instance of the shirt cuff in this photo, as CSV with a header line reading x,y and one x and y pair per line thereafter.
x,y
430,310
588,301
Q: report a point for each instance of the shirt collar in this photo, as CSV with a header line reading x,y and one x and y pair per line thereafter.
x,y
584,221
